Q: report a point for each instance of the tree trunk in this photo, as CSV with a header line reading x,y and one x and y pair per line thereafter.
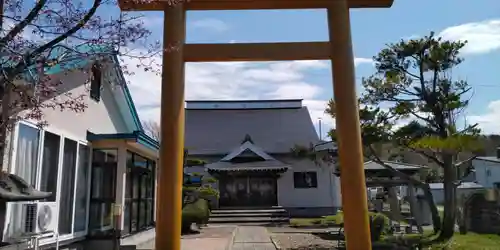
x,y
394,205
436,220
450,198
415,213
4,122
3,169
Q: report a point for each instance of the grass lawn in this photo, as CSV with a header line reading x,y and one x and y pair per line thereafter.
x,y
471,241
330,220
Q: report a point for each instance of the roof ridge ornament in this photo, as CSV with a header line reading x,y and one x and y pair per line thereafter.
x,y
247,139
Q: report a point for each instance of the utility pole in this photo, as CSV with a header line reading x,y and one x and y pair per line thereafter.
x,y
1,16
320,132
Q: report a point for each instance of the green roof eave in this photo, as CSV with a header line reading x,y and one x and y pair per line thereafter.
x,y
128,96
137,136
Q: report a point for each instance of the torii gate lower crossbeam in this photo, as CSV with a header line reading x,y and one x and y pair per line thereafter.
x,y
169,199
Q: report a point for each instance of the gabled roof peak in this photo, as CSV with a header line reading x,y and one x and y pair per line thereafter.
x,y
245,147
247,139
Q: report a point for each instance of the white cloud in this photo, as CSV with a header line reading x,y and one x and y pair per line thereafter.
x,y
242,80
482,36
210,24
406,38
360,60
152,21
238,80
489,122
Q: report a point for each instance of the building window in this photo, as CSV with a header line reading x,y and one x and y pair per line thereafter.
x,y
82,184
305,180
27,153
50,164
67,186
95,82
102,194
28,139
41,157
139,193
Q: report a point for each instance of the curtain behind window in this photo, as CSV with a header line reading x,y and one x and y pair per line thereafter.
x,y
25,167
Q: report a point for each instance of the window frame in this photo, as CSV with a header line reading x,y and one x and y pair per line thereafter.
x,y
302,176
138,177
62,136
41,154
105,200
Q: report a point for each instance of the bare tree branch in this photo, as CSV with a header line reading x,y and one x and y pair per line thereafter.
x,y
29,56
20,26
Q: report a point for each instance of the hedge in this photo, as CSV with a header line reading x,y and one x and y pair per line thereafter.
x,y
197,212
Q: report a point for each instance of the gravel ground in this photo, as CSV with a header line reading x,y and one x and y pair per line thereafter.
x,y
300,230
300,241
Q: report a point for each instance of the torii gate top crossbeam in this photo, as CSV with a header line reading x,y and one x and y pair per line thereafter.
x,y
159,5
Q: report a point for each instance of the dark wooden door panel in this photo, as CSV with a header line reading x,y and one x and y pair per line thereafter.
x,y
247,192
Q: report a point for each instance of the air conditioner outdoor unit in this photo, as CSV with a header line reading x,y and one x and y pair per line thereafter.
x,y
40,218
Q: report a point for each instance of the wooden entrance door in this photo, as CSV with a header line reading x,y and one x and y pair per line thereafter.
x,y
262,191
248,192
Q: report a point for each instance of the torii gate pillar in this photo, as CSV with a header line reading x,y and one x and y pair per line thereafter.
x,y
176,53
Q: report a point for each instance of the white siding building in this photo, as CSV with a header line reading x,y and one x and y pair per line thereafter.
x,y
92,162
487,170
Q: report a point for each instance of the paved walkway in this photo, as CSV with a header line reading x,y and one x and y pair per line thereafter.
x,y
245,238
194,244
252,238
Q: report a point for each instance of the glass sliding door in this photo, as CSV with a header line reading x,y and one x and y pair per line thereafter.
x,y
150,193
83,167
139,193
27,153
102,194
26,166
50,164
67,187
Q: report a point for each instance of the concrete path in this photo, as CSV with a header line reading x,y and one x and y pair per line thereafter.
x,y
252,238
242,238
194,244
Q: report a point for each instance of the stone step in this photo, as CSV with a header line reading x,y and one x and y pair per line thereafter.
x,y
221,215
247,211
246,216
250,208
240,220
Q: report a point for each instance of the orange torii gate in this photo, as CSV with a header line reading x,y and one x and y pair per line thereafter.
x,y
338,50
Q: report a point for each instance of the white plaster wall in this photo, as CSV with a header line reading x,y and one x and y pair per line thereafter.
x,y
99,117
327,194
482,176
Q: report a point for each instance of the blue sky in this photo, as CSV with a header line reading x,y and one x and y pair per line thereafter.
x,y
476,21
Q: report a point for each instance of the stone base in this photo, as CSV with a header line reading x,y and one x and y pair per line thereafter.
x,y
306,212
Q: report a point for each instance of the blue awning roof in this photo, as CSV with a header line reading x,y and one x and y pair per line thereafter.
x,y
137,136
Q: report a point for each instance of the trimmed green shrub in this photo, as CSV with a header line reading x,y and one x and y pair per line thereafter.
x,y
209,180
377,226
195,162
208,192
197,212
